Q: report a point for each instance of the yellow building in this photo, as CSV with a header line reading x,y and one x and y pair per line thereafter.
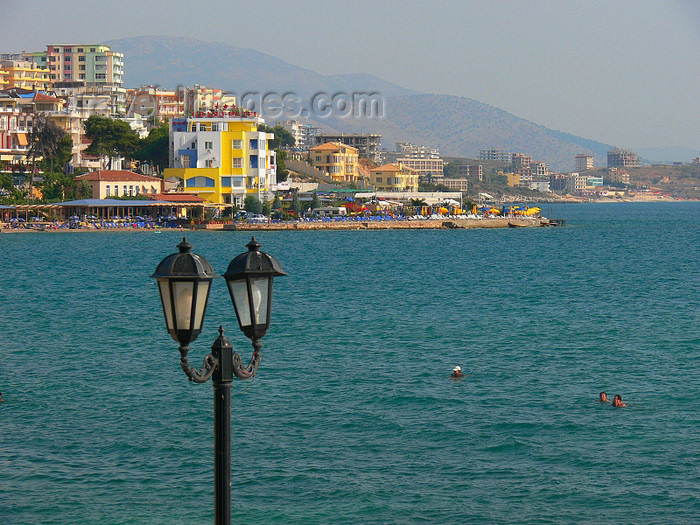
x,y
23,74
513,178
393,177
336,159
222,157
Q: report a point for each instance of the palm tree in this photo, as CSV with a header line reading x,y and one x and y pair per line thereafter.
x,y
44,140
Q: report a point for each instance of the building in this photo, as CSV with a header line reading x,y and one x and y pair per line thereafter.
x,y
16,71
18,108
338,160
617,175
95,64
119,183
539,185
520,161
576,183
304,134
512,179
222,157
456,184
594,180
557,182
428,169
584,162
475,171
367,145
393,177
198,99
154,103
495,154
621,158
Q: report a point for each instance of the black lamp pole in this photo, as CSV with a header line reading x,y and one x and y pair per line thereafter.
x,y
184,280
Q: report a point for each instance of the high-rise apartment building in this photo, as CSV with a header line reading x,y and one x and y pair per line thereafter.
x,y
94,64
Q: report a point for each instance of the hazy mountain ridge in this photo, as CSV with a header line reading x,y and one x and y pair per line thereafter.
x,y
458,126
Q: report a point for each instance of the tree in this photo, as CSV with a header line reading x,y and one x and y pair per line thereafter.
x,y
252,204
44,140
266,208
296,205
110,138
154,148
277,203
315,201
282,171
283,138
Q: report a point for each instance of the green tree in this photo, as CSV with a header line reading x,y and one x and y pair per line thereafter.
x,y
283,138
267,208
44,141
282,171
252,204
296,205
154,148
315,201
277,203
110,138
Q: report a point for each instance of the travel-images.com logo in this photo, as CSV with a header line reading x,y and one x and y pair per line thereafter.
x,y
287,106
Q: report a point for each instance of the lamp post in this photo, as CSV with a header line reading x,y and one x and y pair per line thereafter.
x,y
184,281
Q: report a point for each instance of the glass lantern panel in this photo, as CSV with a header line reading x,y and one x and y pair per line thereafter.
x,y
202,294
167,303
239,292
259,286
182,295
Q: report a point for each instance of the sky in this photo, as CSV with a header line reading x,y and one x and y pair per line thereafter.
x,y
624,72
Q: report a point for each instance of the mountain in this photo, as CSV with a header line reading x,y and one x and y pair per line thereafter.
x,y
458,126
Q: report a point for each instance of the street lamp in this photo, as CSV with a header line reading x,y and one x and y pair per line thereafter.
x,y
184,281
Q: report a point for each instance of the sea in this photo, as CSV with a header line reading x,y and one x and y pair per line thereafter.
x,y
352,417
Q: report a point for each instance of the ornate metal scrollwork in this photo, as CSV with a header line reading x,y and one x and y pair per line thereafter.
x,y
201,375
249,371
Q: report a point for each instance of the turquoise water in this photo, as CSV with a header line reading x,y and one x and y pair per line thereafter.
x,y
352,418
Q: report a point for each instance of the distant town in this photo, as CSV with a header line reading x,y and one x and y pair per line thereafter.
x,y
70,132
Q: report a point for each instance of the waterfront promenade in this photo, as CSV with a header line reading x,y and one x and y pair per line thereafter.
x,y
426,224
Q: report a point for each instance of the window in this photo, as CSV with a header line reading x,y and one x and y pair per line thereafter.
x,y
209,163
193,145
226,182
81,67
202,126
237,144
253,161
200,182
208,145
237,163
237,182
138,190
215,126
116,190
81,76
318,158
92,50
124,190
81,59
80,50
379,179
253,143
107,191
131,191
262,144
67,58
66,67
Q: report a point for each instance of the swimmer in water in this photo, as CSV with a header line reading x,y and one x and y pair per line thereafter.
x,y
1,399
457,373
604,398
617,401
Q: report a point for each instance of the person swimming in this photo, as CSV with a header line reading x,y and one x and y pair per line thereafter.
x,y
604,398
457,373
617,401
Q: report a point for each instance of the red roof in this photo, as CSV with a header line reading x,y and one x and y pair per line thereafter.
x,y
175,197
40,97
117,176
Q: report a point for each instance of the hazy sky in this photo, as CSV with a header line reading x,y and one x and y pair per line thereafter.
x,y
623,72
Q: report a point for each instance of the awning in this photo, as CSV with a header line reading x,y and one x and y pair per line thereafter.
x,y
22,139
